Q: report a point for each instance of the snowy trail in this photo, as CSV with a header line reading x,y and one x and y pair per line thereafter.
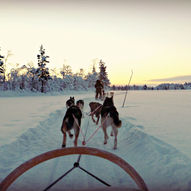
x,y
161,165
21,113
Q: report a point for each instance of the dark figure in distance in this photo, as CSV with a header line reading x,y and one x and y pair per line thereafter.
x,y
99,89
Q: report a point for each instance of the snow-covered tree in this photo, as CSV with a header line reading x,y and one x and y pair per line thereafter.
x,y
91,78
67,77
2,69
68,82
66,70
22,77
42,71
56,84
145,87
32,78
81,73
13,78
103,76
79,83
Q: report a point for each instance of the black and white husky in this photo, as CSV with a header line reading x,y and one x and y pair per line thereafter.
x,y
70,102
80,104
72,120
110,117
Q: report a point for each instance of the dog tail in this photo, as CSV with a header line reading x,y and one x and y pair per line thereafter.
x,y
115,115
68,122
117,122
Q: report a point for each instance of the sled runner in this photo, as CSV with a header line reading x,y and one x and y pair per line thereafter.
x,y
4,185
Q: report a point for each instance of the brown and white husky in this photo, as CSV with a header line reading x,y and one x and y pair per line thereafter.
x,y
110,117
95,109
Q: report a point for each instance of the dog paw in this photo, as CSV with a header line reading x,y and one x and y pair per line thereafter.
x,y
63,145
115,146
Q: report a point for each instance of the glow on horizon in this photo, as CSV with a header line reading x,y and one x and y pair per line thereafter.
x,y
152,39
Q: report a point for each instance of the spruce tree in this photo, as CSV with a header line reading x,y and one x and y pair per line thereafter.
x,y
91,78
103,74
42,71
32,77
66,71
2,69
3,75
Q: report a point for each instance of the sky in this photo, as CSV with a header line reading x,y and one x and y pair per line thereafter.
x,y
150,37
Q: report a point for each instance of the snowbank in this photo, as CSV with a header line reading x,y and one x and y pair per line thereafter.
x,y
161,165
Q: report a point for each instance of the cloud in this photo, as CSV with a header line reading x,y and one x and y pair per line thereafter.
x,y
185,78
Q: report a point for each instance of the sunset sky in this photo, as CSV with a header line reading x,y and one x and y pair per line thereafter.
x,y
150,37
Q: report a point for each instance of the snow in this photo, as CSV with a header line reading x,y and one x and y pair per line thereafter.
x,y
154,139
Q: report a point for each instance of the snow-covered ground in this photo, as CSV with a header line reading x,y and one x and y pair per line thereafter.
x,y
154,139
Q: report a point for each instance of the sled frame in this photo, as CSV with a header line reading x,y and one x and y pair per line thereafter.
x,y
73,151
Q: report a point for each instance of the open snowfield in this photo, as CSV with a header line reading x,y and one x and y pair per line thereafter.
x,y
154,139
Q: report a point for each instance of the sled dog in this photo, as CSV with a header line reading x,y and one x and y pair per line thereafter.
x,y
111,94
72,120
80,104
70,102
95,109
110,117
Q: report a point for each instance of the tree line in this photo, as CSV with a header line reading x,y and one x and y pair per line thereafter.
x,y
163,86
42,79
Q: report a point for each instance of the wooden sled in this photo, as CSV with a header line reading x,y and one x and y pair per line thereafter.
x,y
71,151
